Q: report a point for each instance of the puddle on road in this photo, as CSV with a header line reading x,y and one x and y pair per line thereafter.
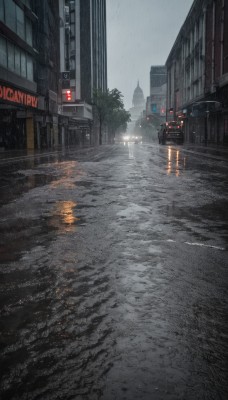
x,y
18,236
63,217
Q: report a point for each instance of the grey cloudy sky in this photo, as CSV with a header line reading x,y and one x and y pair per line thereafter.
x,y
140,33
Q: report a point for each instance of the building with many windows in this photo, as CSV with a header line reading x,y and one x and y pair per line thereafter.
x,y
197,67
52,56
29,74
156,104
18,89
83,65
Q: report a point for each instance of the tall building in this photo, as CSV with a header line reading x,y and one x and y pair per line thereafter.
x,y
52,56
46,71
157,100
29,71
197,67
83,62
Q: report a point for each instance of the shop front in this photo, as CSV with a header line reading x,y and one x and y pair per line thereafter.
x,y
17,110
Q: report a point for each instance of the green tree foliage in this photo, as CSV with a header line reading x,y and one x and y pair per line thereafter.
x,y
110,111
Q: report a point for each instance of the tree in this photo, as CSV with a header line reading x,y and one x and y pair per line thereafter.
x,y
110,110
117,121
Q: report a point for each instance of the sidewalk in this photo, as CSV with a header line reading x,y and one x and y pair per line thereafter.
x,y
209,149
26,154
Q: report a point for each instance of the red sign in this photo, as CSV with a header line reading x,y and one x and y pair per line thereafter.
x,y
18,96
68,95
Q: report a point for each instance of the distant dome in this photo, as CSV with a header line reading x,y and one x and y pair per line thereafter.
x,y
138,97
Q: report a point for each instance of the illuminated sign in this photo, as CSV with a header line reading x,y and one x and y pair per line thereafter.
x,y
68,95
18,96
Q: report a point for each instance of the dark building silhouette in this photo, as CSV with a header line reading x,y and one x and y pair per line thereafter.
x,y
156,103
52,55
83,55
46,74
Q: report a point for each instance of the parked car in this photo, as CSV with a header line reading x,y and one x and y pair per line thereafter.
x,y
170,131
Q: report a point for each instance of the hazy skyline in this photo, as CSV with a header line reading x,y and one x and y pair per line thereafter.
x,y
140,33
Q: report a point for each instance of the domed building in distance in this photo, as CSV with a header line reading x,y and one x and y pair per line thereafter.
x,y
138,98
138,103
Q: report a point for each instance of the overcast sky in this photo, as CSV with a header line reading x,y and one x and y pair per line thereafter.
x,y
140,33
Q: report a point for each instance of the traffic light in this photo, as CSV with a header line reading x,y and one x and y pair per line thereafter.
x,y
68,95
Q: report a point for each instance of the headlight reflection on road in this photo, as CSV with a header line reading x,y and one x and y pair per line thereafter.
x,y
177,163
131,151
173,157
169,166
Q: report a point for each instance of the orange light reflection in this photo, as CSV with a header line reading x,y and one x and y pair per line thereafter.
x,y
63,216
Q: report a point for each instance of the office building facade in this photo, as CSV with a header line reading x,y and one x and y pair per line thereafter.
x,y
83,61
197,66
18,89
157,100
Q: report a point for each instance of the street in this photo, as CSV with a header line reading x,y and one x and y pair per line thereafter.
x,y
113,274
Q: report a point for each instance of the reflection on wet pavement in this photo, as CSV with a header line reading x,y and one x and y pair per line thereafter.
x,y
175,163
63,217
119,289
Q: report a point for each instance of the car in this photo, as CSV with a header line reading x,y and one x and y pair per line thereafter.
x,y
132,139
171,131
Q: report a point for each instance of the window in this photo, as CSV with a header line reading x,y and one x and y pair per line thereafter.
x,y
72,45
72,63
23,65
29,68
10,14
72,17
20,22
1,10
17,61
10,49
28,31
3,52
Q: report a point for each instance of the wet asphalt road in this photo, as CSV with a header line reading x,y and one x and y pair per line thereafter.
x,y
113,274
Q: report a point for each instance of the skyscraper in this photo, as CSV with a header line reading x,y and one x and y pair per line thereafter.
x,y
83,60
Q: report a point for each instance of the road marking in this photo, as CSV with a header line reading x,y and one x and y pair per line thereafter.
x,y
205,245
